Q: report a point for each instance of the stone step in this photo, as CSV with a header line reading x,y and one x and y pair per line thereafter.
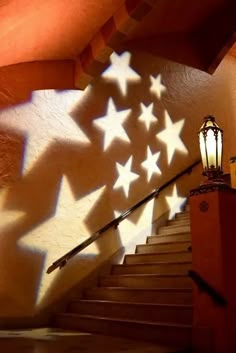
x,y
178,222
179,335
175,314
160,268
158,257
141,295
146,281
174,229
158,239
184,214
162,247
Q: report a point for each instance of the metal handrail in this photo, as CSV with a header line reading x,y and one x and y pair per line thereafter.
x,y
61,262
203,285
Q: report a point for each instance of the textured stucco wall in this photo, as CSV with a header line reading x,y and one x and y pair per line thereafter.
x,y
62,162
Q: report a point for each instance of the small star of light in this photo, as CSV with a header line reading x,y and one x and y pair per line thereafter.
x,y
111,124
44,120
157,87
125,176
57,235
150,164
121,71
171,137
147,117
175,202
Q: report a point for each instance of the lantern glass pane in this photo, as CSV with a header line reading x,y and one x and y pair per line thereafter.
x,y
211,148
203,150
219,146
210,123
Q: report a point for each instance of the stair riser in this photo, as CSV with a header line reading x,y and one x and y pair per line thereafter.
x,y
143,296
158,269
140,312
159,248
157,239
180,337
135,259
173,230
142,282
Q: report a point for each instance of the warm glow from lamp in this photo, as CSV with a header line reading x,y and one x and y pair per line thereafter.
x,y
211,144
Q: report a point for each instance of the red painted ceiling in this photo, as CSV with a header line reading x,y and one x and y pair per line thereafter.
x,y
195,33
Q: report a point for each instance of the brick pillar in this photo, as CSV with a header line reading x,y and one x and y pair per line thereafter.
x,y
213,230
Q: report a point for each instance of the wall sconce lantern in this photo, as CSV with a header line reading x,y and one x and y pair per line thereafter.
x,y
211,147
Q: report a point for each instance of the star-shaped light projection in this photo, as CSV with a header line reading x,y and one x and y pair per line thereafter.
x,y
125,176
175,202
150,164
171,137
121,71
44,120
147,117
61,233
111,124
157,87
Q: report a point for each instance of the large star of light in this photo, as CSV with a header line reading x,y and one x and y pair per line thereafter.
x,y
150,164
171,137
44,120
61,233
157,87
147,117
125,176
121,71
175,202
111,124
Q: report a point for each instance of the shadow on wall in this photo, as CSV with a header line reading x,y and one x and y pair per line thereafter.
x,y
86,157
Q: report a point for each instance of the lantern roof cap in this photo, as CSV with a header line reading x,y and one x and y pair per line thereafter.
x,y
209,117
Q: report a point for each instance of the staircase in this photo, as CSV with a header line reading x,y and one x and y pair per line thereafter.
x,y
148,297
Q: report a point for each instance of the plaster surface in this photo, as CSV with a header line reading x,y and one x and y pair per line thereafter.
x,y
58,180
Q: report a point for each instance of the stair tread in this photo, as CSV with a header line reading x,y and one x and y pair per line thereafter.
x,y
167,242
144,289
73,315
155,263
171,226
164,235
164,243
160,253
182,213
178,220
146,275
168,238
112,302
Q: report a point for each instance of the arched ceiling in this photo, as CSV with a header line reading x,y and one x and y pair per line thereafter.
x,y
64,44
33,30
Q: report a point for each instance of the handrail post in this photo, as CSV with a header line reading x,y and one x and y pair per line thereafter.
x,y
212,215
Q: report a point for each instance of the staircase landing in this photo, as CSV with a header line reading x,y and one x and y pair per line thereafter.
x,y
60,341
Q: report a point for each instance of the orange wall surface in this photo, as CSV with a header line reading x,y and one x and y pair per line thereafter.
x,y
71,161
